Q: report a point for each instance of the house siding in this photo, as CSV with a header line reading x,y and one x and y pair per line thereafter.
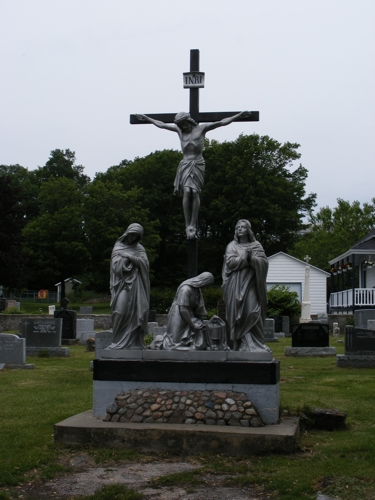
x,y
284,269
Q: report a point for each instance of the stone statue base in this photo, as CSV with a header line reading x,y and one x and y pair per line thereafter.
x,y
188,355
259,380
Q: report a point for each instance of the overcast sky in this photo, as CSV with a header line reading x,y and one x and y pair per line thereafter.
x,y
72,71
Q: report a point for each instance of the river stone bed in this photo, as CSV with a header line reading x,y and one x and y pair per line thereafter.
x,y
154,406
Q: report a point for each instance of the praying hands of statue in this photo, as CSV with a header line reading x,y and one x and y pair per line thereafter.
x,y
249,252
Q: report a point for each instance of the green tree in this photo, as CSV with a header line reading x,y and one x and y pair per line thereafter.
x,y
26,180
55,243
333,231
108,211
11,224
62,164
154,174
253,178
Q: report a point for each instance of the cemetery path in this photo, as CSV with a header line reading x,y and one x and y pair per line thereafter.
x,y
89,477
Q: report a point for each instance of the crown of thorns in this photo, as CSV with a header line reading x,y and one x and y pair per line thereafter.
x,y
184,117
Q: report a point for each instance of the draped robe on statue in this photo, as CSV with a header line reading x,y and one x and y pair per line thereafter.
x,y
245,294
130,290
180,335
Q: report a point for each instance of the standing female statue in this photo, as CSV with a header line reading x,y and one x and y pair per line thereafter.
x,y
190,173
130,290
245,291
184,329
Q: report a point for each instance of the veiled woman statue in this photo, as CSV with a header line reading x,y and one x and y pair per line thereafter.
x,y
130,290
184,329
245,291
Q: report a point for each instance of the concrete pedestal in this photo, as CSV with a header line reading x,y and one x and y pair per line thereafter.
x,y
259,380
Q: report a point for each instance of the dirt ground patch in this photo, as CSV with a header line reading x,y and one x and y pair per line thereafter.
x,y
88,478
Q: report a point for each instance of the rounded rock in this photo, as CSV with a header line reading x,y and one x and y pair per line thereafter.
x,y
112,408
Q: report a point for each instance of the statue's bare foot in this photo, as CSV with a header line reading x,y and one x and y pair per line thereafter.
x,y
191,232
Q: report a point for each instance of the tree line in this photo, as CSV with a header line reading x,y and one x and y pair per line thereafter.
x,y
55,222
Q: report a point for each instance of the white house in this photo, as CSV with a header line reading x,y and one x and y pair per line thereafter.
x,y
69,282
287,270
353,277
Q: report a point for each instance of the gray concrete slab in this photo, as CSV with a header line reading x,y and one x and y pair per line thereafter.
x,y
53,352
121,354
86,430
249,356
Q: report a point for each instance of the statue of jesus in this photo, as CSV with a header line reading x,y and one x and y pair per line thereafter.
x,y
190,173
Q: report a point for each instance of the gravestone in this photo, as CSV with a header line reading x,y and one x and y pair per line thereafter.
x,y
102,340
3,304
322,317
69,328
359,348
11,303
85,330
153,327
360,341
13,351
269,330
151,316
86,310
41,332
281,324
310,335
310,339
51,310
361,317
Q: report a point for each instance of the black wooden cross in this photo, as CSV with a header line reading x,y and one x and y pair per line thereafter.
x,y
199,117
192,244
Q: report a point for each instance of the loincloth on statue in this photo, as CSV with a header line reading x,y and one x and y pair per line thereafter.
x,y
190,173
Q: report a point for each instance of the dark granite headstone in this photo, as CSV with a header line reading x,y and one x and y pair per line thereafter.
x,y
41,332
310,335
3,303
151,316
359,341
69,328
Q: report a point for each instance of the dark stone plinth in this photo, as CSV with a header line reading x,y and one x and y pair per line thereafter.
x,y
262,373
328,420
310,335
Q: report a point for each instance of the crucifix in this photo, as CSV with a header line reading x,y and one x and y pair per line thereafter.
x,y
191,128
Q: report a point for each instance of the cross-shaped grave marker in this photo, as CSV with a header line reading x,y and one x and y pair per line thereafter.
x,y
194,80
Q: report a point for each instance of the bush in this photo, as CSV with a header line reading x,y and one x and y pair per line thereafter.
x,y
283,302
13,310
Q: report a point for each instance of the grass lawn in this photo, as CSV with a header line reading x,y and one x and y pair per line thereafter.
x,y
340,463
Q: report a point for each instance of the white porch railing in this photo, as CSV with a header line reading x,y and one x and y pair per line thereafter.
x,y
362,297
